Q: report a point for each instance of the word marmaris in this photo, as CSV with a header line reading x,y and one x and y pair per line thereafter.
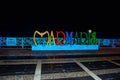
x,y
89,38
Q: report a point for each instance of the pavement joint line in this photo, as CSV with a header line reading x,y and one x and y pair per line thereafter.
x,y
37,75
112,62
93,75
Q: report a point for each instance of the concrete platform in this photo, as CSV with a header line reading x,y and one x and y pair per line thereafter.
x,y
101,71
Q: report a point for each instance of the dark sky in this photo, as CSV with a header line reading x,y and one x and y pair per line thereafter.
x,y
20,21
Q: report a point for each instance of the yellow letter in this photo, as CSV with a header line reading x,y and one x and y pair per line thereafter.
x,y
41,34
51,36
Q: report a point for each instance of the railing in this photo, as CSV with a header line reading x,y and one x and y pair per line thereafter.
x,y
28,41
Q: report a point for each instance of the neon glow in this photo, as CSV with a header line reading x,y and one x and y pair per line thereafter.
x,y
85,38
85,41
24,42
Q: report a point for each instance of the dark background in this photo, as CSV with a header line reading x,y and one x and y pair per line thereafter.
x,y
21,20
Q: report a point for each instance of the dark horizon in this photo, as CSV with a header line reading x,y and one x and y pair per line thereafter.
x,y
104,20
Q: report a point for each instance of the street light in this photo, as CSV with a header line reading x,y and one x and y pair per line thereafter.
x,y
89,32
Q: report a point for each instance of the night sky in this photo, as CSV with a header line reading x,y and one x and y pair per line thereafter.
x,y
19,21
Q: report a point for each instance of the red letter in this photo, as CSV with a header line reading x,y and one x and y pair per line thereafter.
x,y
57,40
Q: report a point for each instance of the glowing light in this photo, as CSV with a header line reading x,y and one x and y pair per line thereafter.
x,y
41,34
89,38
65,47
89,30
88,43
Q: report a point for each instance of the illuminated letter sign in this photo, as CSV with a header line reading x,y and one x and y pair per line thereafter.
x,y
63,41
